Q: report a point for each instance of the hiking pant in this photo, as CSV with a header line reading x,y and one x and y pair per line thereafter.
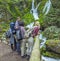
x,y
13,42
30,46
18,46
23,47
13,46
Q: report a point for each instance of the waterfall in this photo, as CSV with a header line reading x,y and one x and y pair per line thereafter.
x,y
49,59
35,13
41,37
30,25
47,7
34,10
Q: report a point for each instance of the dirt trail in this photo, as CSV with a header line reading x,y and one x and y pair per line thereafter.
x,y
6,54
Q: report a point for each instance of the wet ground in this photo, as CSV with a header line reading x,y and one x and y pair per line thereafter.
x,y
6,54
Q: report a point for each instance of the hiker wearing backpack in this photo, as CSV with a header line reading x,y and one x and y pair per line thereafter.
x,y
10,34
23,42
19,26
30,43
34,32
36,29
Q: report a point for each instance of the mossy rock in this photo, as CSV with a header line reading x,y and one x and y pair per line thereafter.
x,y
49,53
53,45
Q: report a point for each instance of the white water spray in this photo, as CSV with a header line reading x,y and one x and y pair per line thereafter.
x,y
34,10
47,7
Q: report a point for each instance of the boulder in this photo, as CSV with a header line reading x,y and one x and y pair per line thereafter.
x,y
53,45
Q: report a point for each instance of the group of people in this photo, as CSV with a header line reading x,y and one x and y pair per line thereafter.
x,y
21,39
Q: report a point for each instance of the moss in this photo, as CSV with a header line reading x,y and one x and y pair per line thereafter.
x,y
52,43
34,56
49,54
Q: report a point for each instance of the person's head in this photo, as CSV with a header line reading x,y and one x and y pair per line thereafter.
x,y
18,18
37,23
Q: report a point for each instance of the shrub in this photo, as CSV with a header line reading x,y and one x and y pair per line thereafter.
x,y
52,32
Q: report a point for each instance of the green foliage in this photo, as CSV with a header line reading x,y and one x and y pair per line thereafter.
x,y
54,42
22,8
53,18
52,32
19,8
17,11
41,19
51,54
48,53
3,27
28,18
12,13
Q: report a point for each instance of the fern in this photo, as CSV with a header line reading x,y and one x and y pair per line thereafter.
x,y
8,8
18,11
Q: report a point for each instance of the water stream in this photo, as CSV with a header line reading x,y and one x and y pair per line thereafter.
x,y
43,40
43,44
49,59
34,10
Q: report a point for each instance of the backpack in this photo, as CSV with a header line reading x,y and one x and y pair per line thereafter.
x,y
12,27
19,34
7,34
35,31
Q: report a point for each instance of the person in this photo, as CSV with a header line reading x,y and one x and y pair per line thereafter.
x,y
33,32
36,29
18,23
30,43
10,34
23,42
19,26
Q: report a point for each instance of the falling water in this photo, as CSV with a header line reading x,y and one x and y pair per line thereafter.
x,y
30,25
35,13
47,7
41,37
34,10
49,59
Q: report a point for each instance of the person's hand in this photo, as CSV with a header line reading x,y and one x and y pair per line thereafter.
x,y
16,27
38,33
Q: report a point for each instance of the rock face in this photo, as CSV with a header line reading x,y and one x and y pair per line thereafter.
x,y
53,45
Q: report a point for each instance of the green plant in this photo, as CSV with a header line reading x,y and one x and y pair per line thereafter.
x,y
52,32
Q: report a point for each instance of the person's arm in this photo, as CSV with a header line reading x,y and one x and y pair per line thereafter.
x,y
16,25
